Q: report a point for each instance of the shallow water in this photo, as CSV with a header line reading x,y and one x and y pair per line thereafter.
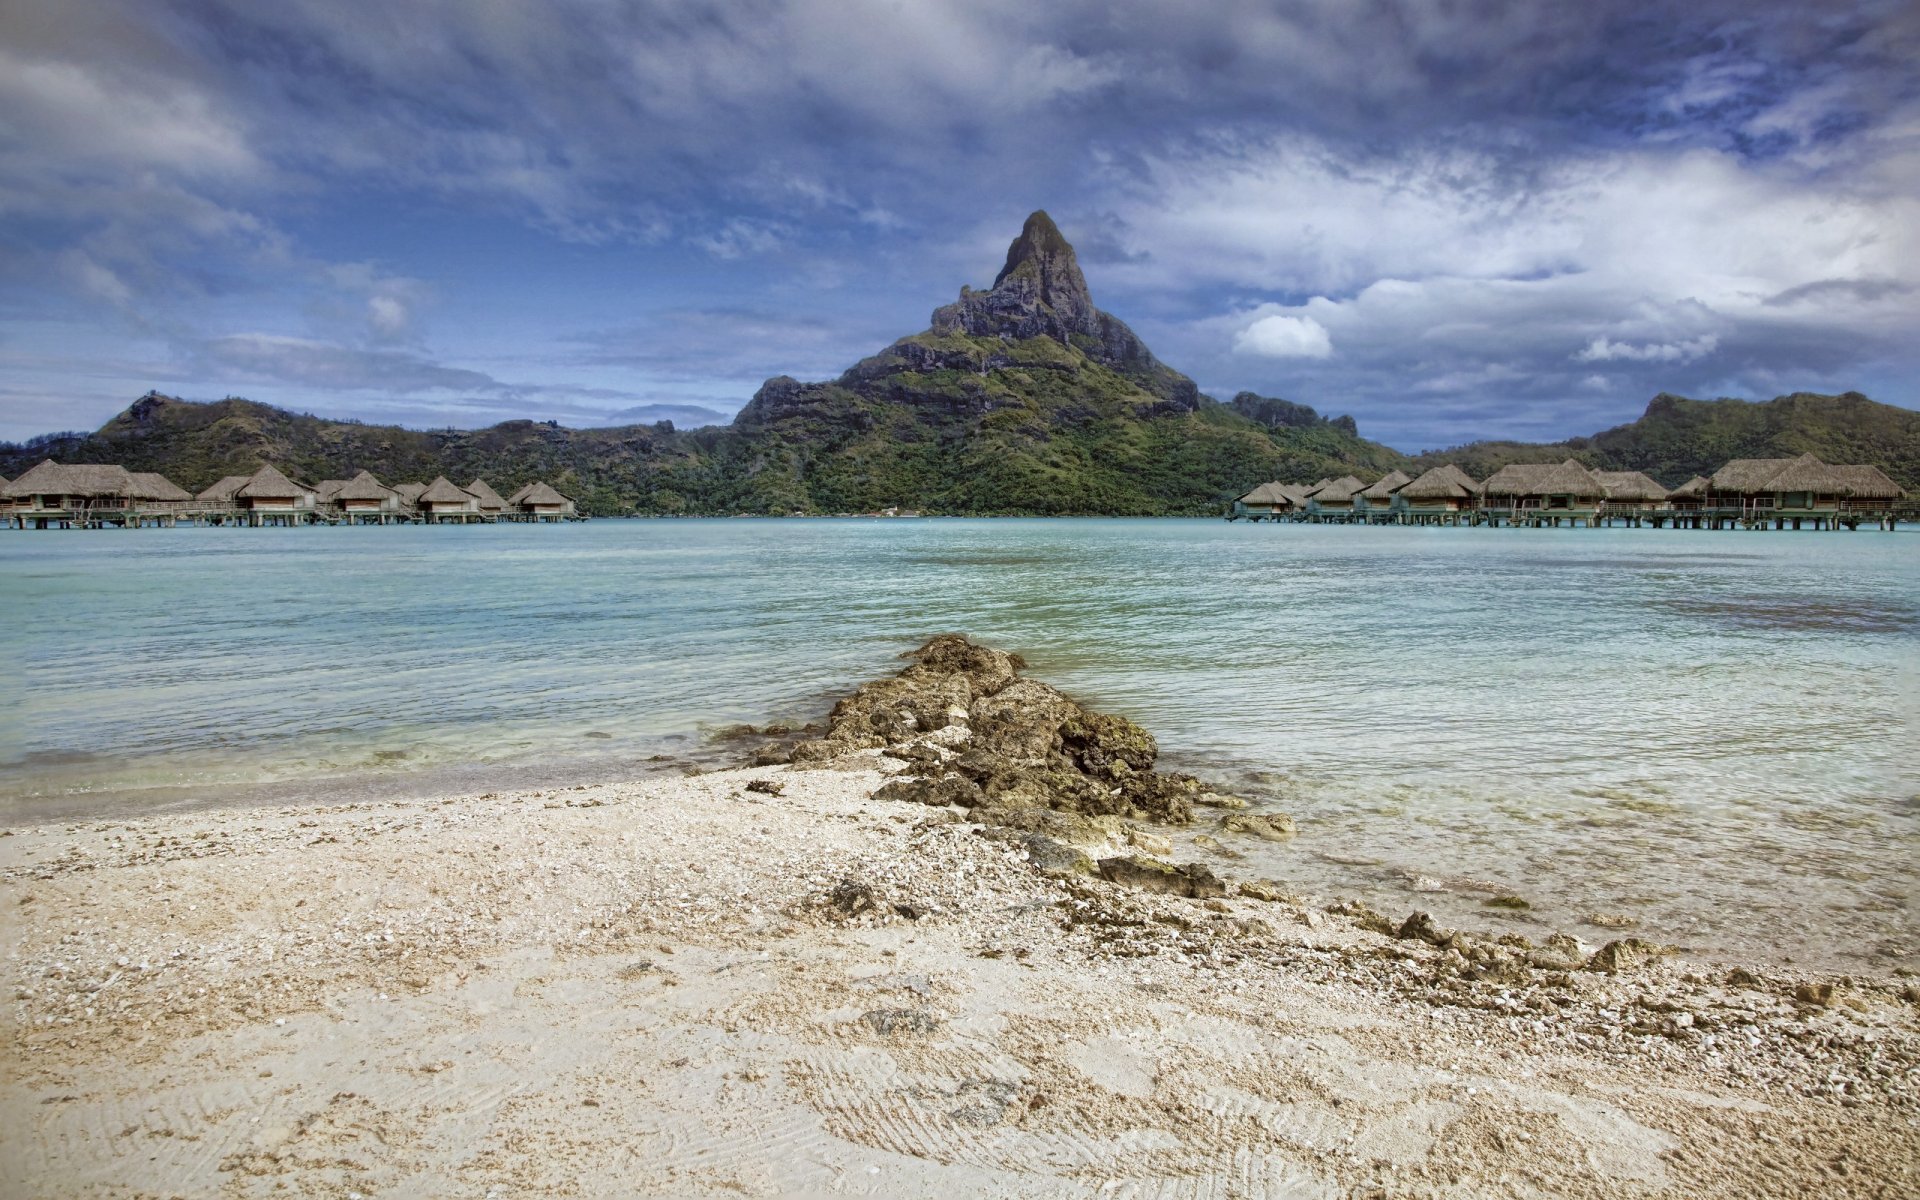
x,y
1708,732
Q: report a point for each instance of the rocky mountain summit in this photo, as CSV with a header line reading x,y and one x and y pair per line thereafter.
x,y
1041,292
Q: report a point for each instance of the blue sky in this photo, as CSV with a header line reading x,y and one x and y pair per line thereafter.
x,y
1452,220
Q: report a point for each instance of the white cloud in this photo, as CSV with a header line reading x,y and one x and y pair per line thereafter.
x,y
1284,337
1603,349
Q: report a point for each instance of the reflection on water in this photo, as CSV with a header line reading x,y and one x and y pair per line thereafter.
x,y
1795,613
1637,725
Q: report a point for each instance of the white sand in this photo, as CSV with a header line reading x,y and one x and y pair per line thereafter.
x,y
641,989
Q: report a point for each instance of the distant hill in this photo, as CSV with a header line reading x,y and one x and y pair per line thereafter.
x,y
1677,438
1022,399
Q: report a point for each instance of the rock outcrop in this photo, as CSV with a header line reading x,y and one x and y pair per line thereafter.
x,y
977,733
1041,292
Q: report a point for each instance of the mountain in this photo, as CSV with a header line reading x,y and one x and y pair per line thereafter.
x,y
1021,399
1677,438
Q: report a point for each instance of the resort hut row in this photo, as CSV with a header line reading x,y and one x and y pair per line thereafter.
x,y
1746,492
269,495
87,494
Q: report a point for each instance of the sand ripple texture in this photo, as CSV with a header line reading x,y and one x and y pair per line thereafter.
x,y
664,989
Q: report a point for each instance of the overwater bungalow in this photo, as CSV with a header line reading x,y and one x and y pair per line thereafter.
x,y
491,505
1270,501
1375,500
1542,494
1445,495
1796,492
223,491
363,500
268,497
1871,496
442,501
153,487
409,494
1689,496
1631,495
540,502
51,494
1334,501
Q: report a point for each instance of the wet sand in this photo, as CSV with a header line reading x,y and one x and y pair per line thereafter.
x,y
681,987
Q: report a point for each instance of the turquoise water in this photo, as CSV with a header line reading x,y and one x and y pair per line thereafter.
x,y
1710,732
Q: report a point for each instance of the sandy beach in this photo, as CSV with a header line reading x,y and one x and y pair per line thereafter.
x,y
686,987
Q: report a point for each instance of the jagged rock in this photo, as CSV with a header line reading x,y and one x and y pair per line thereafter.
x,y
1624,954
1028,745
1364,916
1560,952
1099,833
1420,925
937,791
766,787
1152,843
1054,859
1215,846
852,897
1152,875
918,755
1041,292
1820,995
1272,827
1268,890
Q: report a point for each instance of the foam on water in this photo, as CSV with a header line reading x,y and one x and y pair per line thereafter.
x,y
1708,732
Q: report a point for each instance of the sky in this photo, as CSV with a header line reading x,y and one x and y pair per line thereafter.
x,y
1452,220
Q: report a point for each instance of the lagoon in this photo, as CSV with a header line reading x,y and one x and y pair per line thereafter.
x,y
1708,734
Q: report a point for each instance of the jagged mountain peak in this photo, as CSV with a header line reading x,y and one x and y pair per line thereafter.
x,y
1043,256
1040,292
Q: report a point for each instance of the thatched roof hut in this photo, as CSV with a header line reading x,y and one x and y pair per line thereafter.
x,y
269,484
1266,493
1441,483
1808,474
151,485
1382,491
1339,491
537,495
1869,483
1747,476
1630,487
1692,489
490,501
328,490
224,491
1569,478
409,493
90,481
362,487
441,491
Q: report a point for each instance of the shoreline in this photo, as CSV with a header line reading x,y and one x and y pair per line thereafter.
x,y
668,987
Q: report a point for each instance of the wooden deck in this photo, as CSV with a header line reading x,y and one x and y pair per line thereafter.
x,y
219,514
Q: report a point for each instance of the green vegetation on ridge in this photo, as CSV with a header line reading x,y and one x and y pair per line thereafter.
x,y
1021,400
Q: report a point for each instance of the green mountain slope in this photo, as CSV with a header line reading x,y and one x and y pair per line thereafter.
x,y
1022,399
1677,438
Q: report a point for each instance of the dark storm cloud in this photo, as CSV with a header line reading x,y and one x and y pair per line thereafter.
x,y
1380,207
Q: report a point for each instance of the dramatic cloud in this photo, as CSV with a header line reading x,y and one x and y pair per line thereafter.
x,y
1284,337
1451,220
1602,350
